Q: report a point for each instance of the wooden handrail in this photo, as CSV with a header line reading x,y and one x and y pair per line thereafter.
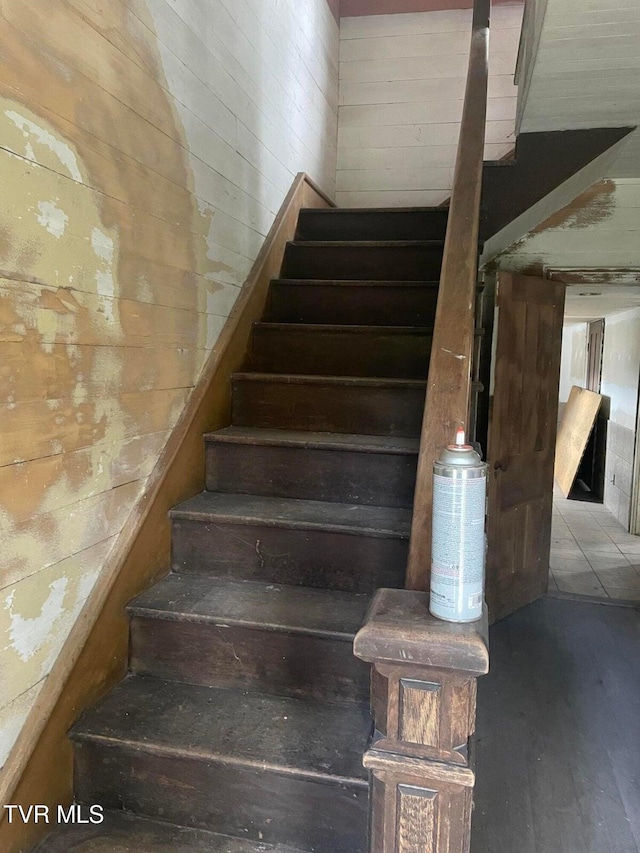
x,y
449,384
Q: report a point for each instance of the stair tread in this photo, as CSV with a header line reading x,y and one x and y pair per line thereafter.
x,y
315,440
317,379
356,282
122,832
294,609
366,244
376,210
288,512
296,737
346,328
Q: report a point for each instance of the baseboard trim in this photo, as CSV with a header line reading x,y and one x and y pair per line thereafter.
x,y
39,769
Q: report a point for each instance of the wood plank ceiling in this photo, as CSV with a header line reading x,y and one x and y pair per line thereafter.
x,y
586,73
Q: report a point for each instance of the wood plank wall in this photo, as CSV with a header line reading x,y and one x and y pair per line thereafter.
x,y
145,146
402,82
584,71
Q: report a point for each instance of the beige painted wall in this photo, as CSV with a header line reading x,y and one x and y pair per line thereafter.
x,y
145,148
402,81
573,361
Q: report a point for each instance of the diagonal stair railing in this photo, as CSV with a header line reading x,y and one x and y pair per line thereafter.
x,y
449,385
424,671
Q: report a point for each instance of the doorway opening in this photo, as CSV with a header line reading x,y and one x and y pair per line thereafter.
x,y
594,551
589,482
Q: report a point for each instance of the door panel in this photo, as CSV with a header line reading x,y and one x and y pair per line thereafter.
x,y
522,434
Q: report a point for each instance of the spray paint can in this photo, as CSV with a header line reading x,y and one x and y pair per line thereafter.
x,y
458,541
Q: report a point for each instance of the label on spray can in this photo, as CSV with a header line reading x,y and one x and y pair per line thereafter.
x,y
457,567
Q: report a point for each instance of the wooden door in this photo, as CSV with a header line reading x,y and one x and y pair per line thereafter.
x,y
522,435
594,355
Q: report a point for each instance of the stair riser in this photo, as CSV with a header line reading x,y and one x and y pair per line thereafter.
x,y
393,305
328,408
400,356
382,263
372,225
273,662
316,558
257,804
355,477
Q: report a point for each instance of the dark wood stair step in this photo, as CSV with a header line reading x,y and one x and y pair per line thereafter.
x,y
359,405
403,260
276,639
273,769
343,350
401,303
348,547
394,223
351,519
321,466
123,832
269,607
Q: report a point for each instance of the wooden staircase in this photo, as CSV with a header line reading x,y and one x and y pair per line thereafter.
x,y
242,724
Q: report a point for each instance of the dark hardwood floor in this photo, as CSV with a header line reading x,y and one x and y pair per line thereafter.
x,y
558,753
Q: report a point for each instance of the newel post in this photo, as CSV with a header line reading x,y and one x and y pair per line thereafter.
x,y
423,685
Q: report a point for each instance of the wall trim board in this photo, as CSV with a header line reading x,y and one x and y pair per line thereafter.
x,y
95,654
360,8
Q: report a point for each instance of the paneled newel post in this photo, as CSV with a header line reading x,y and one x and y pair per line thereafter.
x,y
423,681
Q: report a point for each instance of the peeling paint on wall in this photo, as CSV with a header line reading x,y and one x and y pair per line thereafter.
x,y
594,205
52,218
137,195
76,237
34,134
599,229
27,633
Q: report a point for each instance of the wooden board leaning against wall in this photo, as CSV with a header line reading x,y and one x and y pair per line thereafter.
x,y
578,419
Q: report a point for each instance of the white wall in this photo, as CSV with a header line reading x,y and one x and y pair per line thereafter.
x,y
621,366
146,147
402,81
573,361
620,375
270,75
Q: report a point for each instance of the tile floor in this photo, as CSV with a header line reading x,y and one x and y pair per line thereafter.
x,y
591,553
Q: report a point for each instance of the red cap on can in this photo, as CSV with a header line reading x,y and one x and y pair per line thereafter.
x,y
460,441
